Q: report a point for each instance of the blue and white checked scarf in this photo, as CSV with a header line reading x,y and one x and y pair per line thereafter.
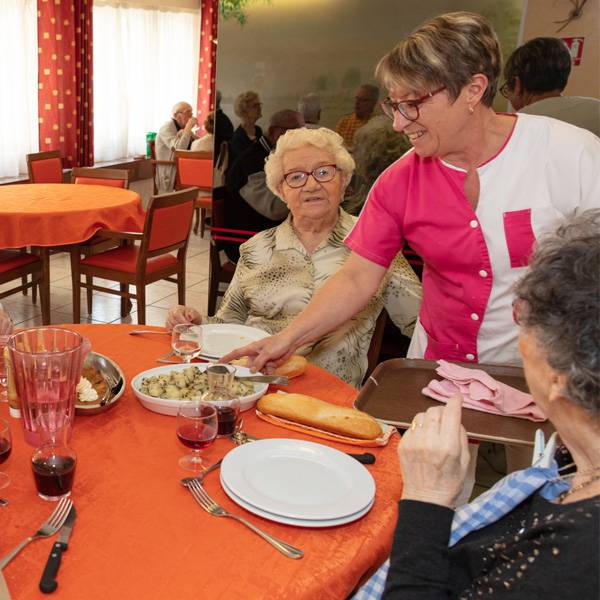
x,y
492,505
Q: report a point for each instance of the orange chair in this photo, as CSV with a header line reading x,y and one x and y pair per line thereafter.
x,y
45,167
111,177
167,229
15,264
196,169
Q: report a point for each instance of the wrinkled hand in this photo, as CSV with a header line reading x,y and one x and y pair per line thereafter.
x,y
191,124
6,324
264,355
182,315
434,455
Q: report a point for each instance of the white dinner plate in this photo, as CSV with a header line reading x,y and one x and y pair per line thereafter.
x,y
221,338
298,479
170,407
296,522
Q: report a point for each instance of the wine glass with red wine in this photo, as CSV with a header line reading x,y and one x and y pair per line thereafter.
x,y
197,426
5,448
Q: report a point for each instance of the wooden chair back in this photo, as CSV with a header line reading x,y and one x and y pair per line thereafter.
x,y
193,169
154,163
111,177
45,167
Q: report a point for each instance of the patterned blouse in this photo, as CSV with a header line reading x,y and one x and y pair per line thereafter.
x,y
276,278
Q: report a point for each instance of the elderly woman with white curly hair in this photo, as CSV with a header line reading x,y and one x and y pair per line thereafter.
x,y
281,268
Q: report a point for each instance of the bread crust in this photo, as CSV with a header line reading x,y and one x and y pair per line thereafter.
x,y
313,412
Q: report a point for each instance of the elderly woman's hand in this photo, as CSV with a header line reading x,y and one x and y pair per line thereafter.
x,y
434,455
182,315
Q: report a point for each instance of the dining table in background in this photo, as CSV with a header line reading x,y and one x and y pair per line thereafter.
x,y
50,215
140,534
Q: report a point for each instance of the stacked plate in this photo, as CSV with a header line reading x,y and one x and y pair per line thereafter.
x,y
298,483
219,339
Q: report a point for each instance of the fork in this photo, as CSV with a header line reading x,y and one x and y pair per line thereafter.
x,y
211,507
52,524
144,331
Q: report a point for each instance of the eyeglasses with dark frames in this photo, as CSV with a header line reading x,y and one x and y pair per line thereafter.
x,y
409,109
322,174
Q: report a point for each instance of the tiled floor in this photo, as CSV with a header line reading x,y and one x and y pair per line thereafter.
x,y
160,296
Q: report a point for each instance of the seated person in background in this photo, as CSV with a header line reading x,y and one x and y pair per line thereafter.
x,y
309,106
536,74
364,105
280,269
223,125
175,134
250,205
206,142
248,108
376,147
546,545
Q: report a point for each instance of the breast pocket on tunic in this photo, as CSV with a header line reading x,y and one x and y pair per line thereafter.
x,y
519,236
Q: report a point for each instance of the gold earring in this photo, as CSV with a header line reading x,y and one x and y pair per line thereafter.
x,y
471,109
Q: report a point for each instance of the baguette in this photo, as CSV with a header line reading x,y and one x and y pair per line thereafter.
x,y
310,411
295,365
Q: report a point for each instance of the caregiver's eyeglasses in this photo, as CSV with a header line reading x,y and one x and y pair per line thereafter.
x,y
506,88
409,109
322,174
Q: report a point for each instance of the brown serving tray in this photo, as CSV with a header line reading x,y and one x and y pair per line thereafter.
x,y
393,394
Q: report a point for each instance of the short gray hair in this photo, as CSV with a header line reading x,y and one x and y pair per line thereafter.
x,y
181,106
322,138
445,51
242,102
309,106
560,299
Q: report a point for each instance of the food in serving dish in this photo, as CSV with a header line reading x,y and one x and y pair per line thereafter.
x,y
185,384
92,386
101,385
170,406
313,412
295,365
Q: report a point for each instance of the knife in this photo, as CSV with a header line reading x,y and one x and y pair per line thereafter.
x,y
48,581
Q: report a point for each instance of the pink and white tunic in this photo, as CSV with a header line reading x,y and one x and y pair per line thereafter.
x,y
546,172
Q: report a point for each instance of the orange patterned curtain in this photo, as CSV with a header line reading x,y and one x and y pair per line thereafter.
x,y
209,14
65,80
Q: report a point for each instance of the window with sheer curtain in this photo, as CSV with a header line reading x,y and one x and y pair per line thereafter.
x,y
18,74
145,61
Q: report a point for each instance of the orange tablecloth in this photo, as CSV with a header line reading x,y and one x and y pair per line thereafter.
x,y
61,213
139,534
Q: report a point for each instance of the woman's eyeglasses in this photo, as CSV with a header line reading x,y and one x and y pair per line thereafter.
x,y
408,109
322,174
506,88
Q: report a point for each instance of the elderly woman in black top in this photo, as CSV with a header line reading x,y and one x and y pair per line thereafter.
x,y
540,549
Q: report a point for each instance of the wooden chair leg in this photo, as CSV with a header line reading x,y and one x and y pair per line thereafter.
x,y
126,304
76,286
181,287
213,289
24,282
140,293
202,221
90,294
197,222
34,294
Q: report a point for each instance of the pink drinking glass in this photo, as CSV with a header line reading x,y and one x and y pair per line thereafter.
x,y
47,363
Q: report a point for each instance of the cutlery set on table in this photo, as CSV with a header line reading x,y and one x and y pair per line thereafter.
x,y
61,520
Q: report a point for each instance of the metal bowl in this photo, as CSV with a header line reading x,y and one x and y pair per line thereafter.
x,y
114,378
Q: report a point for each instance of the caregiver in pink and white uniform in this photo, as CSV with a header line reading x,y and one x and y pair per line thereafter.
x,y
471,199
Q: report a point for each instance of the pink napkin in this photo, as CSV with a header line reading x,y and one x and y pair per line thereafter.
x,y
482,392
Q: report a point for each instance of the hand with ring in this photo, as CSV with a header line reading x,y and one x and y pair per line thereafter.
x,y
434,455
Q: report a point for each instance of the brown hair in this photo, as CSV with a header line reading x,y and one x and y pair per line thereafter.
x,y
445,51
